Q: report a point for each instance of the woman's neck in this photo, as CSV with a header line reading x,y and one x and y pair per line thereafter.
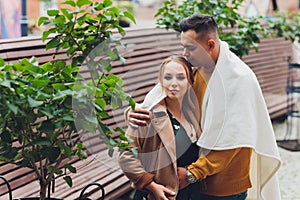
x,y
174,107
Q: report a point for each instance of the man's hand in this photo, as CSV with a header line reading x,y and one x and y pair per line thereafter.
x,y
139,117
181,172
160,192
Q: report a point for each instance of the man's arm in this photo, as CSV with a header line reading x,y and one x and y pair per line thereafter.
x,y
207,165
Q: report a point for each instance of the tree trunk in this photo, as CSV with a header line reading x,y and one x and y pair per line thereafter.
x,y
43,191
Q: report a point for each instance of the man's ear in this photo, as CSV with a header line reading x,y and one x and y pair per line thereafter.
x,y
211,43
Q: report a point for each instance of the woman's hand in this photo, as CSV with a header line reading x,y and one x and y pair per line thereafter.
x,y
160,192
138,117
181,173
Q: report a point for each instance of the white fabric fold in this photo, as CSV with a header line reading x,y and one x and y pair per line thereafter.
x,y
153,97
234,114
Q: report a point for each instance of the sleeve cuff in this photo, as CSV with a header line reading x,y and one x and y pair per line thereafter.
x,y
145,179
194,171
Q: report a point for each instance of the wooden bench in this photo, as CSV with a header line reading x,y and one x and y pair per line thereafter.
x,y
146,49
270,65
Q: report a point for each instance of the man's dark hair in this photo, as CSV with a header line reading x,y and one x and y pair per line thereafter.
x,y
200,23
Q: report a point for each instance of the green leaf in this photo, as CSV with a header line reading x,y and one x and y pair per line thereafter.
x,y
101,102
81,3
40,142
62,94
91,119
112,142
60,20
13,108
68,180
6,83
120,130
70,168
67,117
39,83
46,111
47,33
59,86
33,103
71,3
121,31
71,50
6,137
9,155
47,127
42,20
52,153
52,12
59,64
59,172
132,103
130,16
1,62
123,137
53,43
111,82
107,3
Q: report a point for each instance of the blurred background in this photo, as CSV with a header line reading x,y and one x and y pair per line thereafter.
x,y
20,17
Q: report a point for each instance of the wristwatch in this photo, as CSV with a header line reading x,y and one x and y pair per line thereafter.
x,y
190,177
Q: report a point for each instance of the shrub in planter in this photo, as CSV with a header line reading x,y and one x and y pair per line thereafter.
x,y
37,120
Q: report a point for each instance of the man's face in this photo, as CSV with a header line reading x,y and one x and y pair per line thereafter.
x,y
197,52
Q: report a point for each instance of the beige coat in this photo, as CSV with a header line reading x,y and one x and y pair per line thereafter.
x,y
156,148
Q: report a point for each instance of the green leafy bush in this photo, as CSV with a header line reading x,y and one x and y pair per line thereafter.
x,y
284,25
244,32
39,124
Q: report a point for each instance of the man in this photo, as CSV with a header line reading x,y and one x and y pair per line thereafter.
x,y
234,120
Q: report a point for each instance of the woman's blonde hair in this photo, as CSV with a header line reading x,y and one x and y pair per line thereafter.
x,y
190,101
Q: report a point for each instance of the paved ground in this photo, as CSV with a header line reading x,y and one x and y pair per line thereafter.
x,y
289,172
289,176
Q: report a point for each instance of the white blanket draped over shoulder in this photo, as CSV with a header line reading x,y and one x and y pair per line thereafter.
x,y
234,114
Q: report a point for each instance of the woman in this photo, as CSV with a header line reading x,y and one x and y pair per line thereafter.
x,y
169,139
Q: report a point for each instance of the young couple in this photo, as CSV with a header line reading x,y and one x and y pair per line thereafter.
x,y
202,132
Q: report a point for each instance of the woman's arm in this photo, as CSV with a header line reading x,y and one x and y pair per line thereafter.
x,y
131,164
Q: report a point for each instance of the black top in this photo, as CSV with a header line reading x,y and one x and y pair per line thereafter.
x,y
186,151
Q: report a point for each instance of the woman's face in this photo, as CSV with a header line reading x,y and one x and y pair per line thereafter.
x,y
174,80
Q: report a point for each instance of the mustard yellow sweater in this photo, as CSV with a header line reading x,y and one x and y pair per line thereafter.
x,y
225,172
